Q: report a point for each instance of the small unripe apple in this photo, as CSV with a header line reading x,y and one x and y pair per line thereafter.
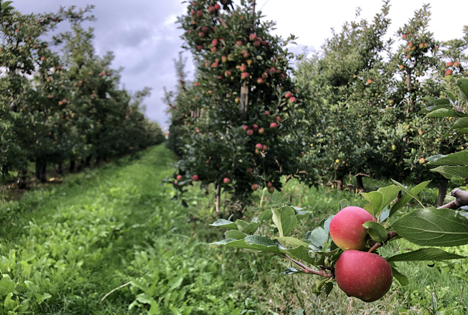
x,y
176,183
250,170
402,67
346,228
227,73
195,178
363,275
261,131
273,125
264,75
456,64
226,180
422,160
254,187
246,54
179,177
369,81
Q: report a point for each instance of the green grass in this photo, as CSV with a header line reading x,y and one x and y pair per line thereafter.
x,y
114,230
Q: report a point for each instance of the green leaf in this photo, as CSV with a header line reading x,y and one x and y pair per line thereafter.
x,y
288,242
451,96
424,254
246,227
317,237
376,231
265,216
461,123
262,243
412,195
437,101
375,199
400,277
235,234
443,112
343,203
389,194
225,224
285,220
301,253
6,285
463,85
458,158
291,271
452,171
433,227
42,297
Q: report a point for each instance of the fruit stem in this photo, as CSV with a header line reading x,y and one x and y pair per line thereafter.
x,y
308,270
390,235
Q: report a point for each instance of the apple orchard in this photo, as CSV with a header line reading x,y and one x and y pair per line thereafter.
x,y
356,109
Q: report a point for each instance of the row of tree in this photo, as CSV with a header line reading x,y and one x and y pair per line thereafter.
x,y
355,108
59,100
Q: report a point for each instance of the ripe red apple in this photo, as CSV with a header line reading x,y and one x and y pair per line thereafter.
x,y
198,47
273,125
214,42
245,127
456,64
246,54
244,75
200,13
267,112
226,180
256,43
449,64
227,73
201,34
346,228
254,187
195,178
259,80
249,170
448,72
179,177
243,68
261,131
270,184
265,147
214,49
292,99
278,118
264,75
272,70
254,127
369,81
288,95
217,6
404,36
215,64
259,146
239,42
252,37
250,132
364,275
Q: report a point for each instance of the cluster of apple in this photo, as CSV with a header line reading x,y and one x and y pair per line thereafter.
x,y
358,273
416,44
451,65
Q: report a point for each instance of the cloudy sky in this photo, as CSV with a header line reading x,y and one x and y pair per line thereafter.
x,y
145,38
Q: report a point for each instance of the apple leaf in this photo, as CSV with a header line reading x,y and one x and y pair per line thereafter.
x,y
265,216
402,279
424,254
437,101
285,220
433,227
389,194
410,194
326,225
235,234
291,242
300,252
253,242
316,237
225,224
458,158
463,85
375,199
248,228
291,271
443,112
461,123
376,231
452,171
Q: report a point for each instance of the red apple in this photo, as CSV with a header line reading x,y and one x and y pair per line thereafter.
x,y
259,146
179,177
226,180
214,49
267,112
278,118
214,42
404,36
259,80
252,37
292,99
195,178
245,127
239,42
250,132
270,184
245,75
254,127
256,43
346,228
254,187
364,275
271,190
198,47
261,131
456,64
243,68
273,125
448,72
449,64
265,148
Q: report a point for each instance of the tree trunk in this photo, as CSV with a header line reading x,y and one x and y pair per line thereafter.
x,y
218,198
44,172
360,184
72,166
60,168
88,161
21,182
97,161
443,186
80,166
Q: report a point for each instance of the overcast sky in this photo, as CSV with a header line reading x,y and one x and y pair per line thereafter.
x,y
145,39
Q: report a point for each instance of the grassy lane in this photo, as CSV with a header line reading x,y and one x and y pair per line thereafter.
x,y
100,230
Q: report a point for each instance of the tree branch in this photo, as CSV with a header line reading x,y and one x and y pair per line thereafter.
x,y
460,201
308,270
390,235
